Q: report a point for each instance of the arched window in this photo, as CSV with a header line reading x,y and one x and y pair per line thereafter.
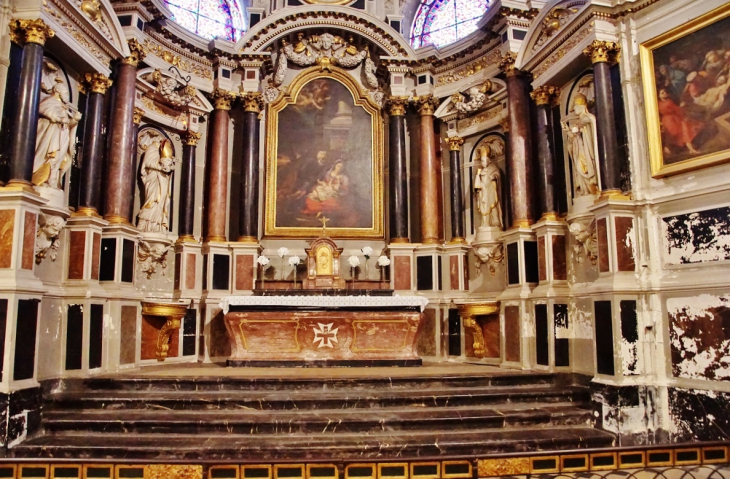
x,y
209,18
440,22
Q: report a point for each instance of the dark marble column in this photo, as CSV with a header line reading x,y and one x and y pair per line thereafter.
x,y
248,225
543,96
93,145
136,121
398,207
217,166
187,187
520,157
430,205
33,34
609,153
457,194
122,136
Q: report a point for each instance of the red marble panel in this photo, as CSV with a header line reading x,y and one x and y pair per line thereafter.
x,y
490,330
427,338
128,335
512,333
96,249
219,345
244,272
560,271
29,240
624,243
454,272
151,326
602,234
401,272
190,271
178,258
77,253
541,259
7,228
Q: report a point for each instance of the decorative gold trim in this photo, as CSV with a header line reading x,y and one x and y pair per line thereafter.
x,y
253,102
88,211
98,82
696,450
371,465
613,194
333,466
574,469
658,168
215,239
426,104
178,471
503,467
222,99
137,53
607,467
457,240
191,138
31,31
507,64
236,473
650,463
550,216
288,466
464,475
96,468
258,466
399,240
520,224
396,105
436,475
247,239
393,464
478,344
361,99
534,470
117,220
186,239
544,94
455,143
601,51
631,465
137,115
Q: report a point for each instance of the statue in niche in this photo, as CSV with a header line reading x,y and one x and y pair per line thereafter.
x,y
488,186
580,128
156,175
54,148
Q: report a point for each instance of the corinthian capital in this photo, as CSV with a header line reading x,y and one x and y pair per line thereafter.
x,y
544,94
30,31
397,105
455,143
426,104
97,82
507,64
600,51
137,53
222,99
253,102
191,138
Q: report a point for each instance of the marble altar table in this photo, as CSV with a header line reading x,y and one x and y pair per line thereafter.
x,y
288,330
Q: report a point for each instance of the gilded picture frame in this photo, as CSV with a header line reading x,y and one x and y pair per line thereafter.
x,y
684,80
324,159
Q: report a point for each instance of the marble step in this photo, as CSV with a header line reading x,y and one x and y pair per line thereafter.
x,y
312,447
416,380
314,422
282,400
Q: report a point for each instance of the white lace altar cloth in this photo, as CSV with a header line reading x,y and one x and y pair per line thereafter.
x,y
324,302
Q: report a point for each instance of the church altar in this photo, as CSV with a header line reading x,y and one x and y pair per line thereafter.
x,y
341,330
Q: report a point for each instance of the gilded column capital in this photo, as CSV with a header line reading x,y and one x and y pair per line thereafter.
x,y
222,99
30,31
426,104
397,105
137,53
504,123
601,51
98,82
253,102
455,143
507,64
544,94
191,138
138,114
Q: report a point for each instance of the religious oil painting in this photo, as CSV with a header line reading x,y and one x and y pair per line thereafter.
x,y
686,82
324,163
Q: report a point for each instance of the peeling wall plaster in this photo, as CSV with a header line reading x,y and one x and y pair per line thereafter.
x,y
698,237
699,415
581,321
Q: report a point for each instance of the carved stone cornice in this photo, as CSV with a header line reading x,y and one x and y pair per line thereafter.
x,y
30,31
601,51
137,53
191,138
97,82
426,104
507,64
455,143
396,105
544,94
137,116
222,99
252,101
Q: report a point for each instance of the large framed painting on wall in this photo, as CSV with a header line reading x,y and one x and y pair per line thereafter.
x,y
686,79
324,159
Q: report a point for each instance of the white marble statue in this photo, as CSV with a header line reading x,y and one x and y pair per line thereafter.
x,y
156,175
54,148
488,188
47,242
580,129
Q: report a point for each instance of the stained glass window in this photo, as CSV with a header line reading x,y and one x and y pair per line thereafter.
x,y
440,22
209,18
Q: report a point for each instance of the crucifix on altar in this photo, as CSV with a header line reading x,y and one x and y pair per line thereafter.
x,y
323,262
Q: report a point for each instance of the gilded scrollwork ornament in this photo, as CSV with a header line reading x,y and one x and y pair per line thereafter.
x,y
137,51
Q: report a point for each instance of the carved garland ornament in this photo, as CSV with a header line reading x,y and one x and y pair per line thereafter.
x,y
175,60
477,98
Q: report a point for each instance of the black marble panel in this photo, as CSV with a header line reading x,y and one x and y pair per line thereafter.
x,y
424,273
532,262
205,272
454,332
562,345
440,276
74,336
541,335
700,415
513,264
127,261
221,271
3,328
630,337
25,336
604,338
697,237
107,259
189,335
96,335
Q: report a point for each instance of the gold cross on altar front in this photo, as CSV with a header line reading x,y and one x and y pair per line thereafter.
x,y
323,219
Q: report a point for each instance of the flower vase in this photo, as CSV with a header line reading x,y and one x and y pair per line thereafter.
x,y
367,276
295,277
281,274
263,277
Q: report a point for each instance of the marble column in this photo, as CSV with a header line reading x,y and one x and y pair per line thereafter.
x,y
122,135
609,159
248,225
457,194
187,187
93,145
136,121
398,204
430,205
520,156
544,96
33,35
217,166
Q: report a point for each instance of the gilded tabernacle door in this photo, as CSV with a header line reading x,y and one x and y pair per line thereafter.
x,y
324,158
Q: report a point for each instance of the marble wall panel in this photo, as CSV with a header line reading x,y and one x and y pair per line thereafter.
x,y
190,271
77,250
427,337
542,260
625,243
244,272
29,228
699,415
699,334
176,283
7,228
602,238
95,251
401,273
512,333
699,237
560,270
454,272
218,343
128,347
